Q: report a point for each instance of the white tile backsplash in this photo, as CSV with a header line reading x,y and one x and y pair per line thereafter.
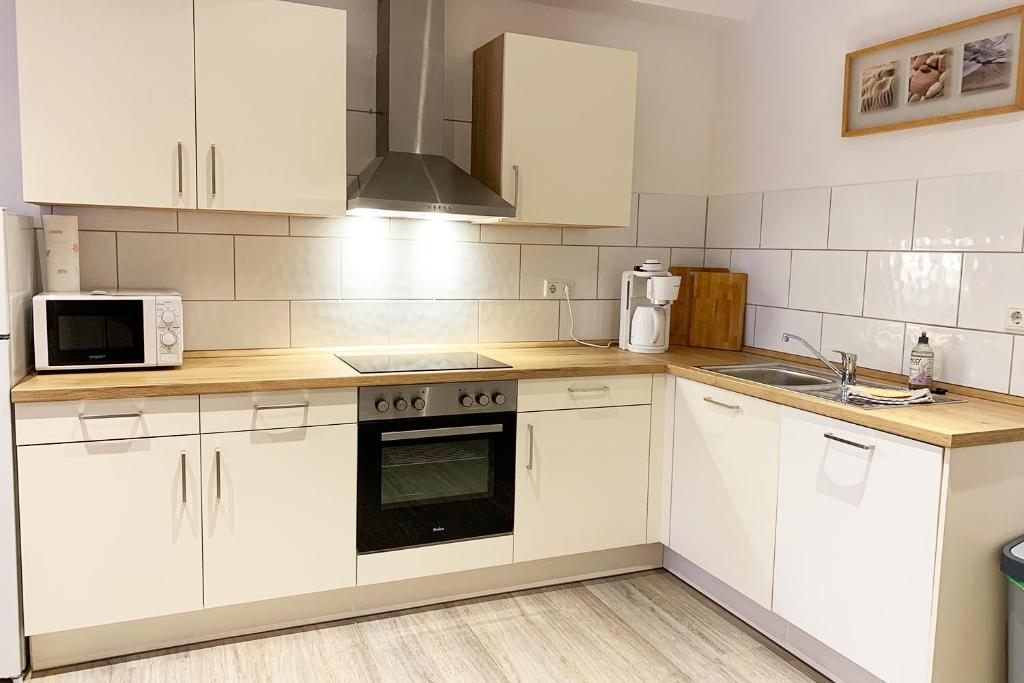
x,y
717,258
434,322
915,287
796,219
355,227
449,231
558,263
1017,372
767,274
734,221
876,216
287,268
222,223
513,321
340,323
828,281
687,257
198,266
119,219
594,320
977,359
613,261
213,325
671,220
991,284
772,322
877,343
983,212
97,260
520,234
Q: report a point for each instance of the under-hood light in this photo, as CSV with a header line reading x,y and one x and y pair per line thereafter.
x,y
419,215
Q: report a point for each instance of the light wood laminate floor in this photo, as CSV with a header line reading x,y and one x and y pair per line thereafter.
x,y
640,627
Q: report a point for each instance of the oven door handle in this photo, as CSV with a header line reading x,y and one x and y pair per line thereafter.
x,y
441,432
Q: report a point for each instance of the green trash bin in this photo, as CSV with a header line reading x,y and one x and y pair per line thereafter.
x,y
1012,564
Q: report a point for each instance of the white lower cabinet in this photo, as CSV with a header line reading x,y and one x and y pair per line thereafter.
x,y
279,512
110,531
856,539
581,481
725,474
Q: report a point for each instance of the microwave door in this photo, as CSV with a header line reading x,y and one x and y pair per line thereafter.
x,y
95,333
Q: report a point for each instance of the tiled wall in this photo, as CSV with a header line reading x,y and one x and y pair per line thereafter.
x,y
260,281
866,268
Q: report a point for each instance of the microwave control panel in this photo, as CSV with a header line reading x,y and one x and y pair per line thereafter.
x,y
169,330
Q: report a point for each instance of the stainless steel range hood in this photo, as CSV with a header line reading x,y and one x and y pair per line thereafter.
x,y
410,176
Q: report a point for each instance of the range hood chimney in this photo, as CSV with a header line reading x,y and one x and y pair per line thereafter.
x,y
410,176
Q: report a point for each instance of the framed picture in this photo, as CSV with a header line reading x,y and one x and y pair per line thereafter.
x,y
964,70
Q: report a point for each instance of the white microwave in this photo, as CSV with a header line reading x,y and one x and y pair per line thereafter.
x,y
107,330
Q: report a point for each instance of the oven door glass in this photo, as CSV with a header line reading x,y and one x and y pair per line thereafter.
x,y
99,332
430,480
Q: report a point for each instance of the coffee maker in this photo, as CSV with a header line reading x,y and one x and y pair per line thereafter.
x,y
647,293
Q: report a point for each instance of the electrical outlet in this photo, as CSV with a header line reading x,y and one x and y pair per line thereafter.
x,y
1014,319
555,289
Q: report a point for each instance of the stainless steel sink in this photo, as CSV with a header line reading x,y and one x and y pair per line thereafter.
x,y
776,375
809,382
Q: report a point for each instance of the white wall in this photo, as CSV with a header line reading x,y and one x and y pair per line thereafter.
x,y
781,89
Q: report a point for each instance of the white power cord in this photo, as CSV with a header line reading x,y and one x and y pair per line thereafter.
x,y
572,324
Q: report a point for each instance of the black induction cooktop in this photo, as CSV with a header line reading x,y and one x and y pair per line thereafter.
x,y
419,362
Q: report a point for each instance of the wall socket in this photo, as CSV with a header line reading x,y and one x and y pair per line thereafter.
x,y
1014,320
555,289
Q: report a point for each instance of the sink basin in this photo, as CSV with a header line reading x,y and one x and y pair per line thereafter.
x,y
775,374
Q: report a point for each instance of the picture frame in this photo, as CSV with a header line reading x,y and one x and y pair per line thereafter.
x,y
959,71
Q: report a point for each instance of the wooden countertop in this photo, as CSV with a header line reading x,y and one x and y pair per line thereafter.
x,y
978,421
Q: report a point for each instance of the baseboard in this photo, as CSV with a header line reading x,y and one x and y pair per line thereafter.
x,y
811,651
66,648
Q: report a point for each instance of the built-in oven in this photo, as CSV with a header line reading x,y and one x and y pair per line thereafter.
x,y
436,463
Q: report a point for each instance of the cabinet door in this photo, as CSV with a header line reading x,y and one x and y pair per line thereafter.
x,y
279,513
581,481
567,124
270,103
855,554
725,477
107,102
110,531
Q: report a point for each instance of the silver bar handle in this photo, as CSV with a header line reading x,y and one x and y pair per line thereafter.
x,y
515,188
184,478
181,172
283,406
588,390
839,439
529,463
213,170
217,457
713,402
468,430
114,416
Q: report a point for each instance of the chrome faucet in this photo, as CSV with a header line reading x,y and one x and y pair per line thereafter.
x,y
848,374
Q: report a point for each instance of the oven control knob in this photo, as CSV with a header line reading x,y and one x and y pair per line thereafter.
x,y
499,399
466,400
168,339
383,406
167,316
401,404
483,399
418,403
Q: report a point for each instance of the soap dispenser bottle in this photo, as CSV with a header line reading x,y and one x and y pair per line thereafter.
x,y
922,364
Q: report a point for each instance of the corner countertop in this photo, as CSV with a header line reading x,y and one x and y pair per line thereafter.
x,y
979,421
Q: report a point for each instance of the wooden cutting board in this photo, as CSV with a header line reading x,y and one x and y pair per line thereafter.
x,y
679,315
717,309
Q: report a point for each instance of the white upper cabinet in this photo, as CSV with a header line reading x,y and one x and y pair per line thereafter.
x,y
856,540
107,102
270,102
212,104
725,477
562,114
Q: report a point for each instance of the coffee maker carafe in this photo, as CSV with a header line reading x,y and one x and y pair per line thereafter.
x,y
647,293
